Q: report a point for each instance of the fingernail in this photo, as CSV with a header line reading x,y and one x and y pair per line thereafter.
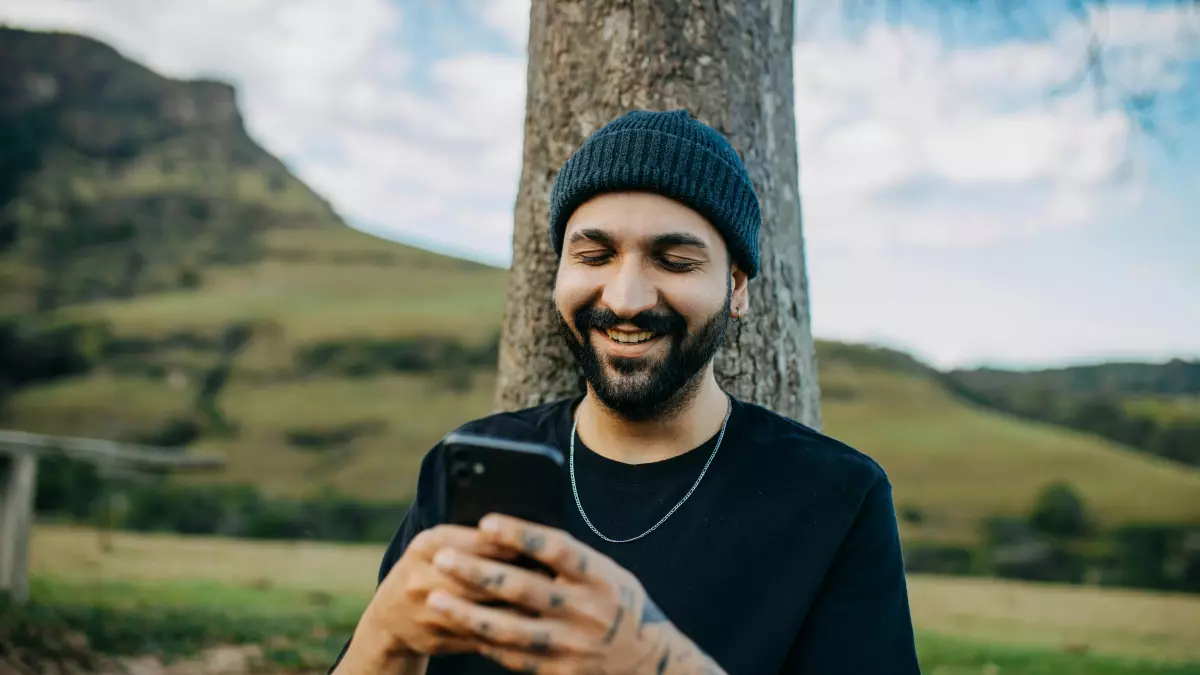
x,y
490,524
444,559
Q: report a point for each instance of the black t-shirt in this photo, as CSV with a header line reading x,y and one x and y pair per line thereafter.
x,y
785,559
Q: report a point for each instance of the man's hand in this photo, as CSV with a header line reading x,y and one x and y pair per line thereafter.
x,y
593,617
398,623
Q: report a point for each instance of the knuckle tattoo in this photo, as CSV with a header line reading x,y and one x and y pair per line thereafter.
x,y
540,643
532,542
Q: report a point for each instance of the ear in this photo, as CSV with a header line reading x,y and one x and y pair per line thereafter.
x,y
739,304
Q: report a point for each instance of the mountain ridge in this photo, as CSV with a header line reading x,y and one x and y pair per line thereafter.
x,y
120,182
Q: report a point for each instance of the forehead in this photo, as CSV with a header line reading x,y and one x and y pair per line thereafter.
x,y
631,217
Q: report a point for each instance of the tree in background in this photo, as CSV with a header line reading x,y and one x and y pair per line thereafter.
x,y
729,63
1060,512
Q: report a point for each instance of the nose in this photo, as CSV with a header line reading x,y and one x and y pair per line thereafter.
x,y
629,291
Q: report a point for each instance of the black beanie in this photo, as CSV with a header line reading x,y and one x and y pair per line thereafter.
x,y
671,154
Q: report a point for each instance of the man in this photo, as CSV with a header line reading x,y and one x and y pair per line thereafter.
x,y
705,534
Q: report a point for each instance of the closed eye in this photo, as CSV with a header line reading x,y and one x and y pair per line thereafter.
x,y
591,258
677,265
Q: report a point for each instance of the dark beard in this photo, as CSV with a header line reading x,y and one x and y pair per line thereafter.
x,y
645,389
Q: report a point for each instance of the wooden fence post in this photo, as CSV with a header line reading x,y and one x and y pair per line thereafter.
x,y
15,521
19,486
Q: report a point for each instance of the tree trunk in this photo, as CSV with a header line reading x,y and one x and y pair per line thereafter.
x,y
730,63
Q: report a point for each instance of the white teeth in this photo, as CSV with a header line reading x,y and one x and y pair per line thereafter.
x,y
629,338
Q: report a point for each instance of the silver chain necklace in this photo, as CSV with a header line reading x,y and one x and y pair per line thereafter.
x,y
575,490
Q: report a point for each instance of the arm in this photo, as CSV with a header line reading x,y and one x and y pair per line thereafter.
x,y
860,620
364,652
363,655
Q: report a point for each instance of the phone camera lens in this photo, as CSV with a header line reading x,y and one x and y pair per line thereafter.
x,y
459,470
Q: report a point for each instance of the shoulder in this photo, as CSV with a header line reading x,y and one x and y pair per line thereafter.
x,y
793,451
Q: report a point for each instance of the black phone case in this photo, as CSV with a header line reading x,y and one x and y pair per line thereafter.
x,y
496,475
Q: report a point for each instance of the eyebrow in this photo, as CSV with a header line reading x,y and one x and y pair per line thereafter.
x,y
592,234
657,242
677,239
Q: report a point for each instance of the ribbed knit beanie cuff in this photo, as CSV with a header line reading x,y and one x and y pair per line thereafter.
x,y
671,154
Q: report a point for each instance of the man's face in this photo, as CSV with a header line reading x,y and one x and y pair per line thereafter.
x,y
644,292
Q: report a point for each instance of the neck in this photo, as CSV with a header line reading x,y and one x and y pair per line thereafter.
x,y
612,436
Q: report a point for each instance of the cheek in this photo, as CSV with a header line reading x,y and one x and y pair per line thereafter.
x,y
697,305
571,290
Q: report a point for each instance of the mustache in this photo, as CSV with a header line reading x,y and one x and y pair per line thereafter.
x,y
658,321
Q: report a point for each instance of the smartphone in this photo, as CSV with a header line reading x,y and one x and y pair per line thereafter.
x,y
486,474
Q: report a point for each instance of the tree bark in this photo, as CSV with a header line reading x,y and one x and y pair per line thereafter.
x,y
729,62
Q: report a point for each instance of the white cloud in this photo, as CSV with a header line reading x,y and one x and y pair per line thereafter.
x,y
897,110
509,17
874,118
905,145
439,163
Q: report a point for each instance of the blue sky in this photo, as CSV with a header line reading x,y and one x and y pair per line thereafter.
x,y
950,207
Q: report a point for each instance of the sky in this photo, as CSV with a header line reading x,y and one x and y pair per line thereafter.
x,y
957,202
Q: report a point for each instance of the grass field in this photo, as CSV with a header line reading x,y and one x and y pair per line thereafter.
x,y
954,462
965,625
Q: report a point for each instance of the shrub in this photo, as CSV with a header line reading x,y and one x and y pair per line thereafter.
x,y
912,514
1157,556
71,489
1060,512
177,432
362,357
323,438
933,559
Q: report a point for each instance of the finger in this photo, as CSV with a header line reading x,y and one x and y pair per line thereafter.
x,y
440,580
428,542
563,553
505,628
509,583
443,641
519,661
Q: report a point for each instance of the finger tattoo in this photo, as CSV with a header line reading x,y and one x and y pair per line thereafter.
x,y
540,644
532,542
650,614
612,629
556,600
494,581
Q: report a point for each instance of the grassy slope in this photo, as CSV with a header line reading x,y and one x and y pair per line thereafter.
x,y
211,574
958,462
955,462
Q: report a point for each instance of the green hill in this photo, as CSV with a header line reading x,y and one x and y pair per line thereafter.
x,y
1152,407
259,326
959,462
116,182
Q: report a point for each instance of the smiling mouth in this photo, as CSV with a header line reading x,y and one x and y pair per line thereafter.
x,y
630,338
